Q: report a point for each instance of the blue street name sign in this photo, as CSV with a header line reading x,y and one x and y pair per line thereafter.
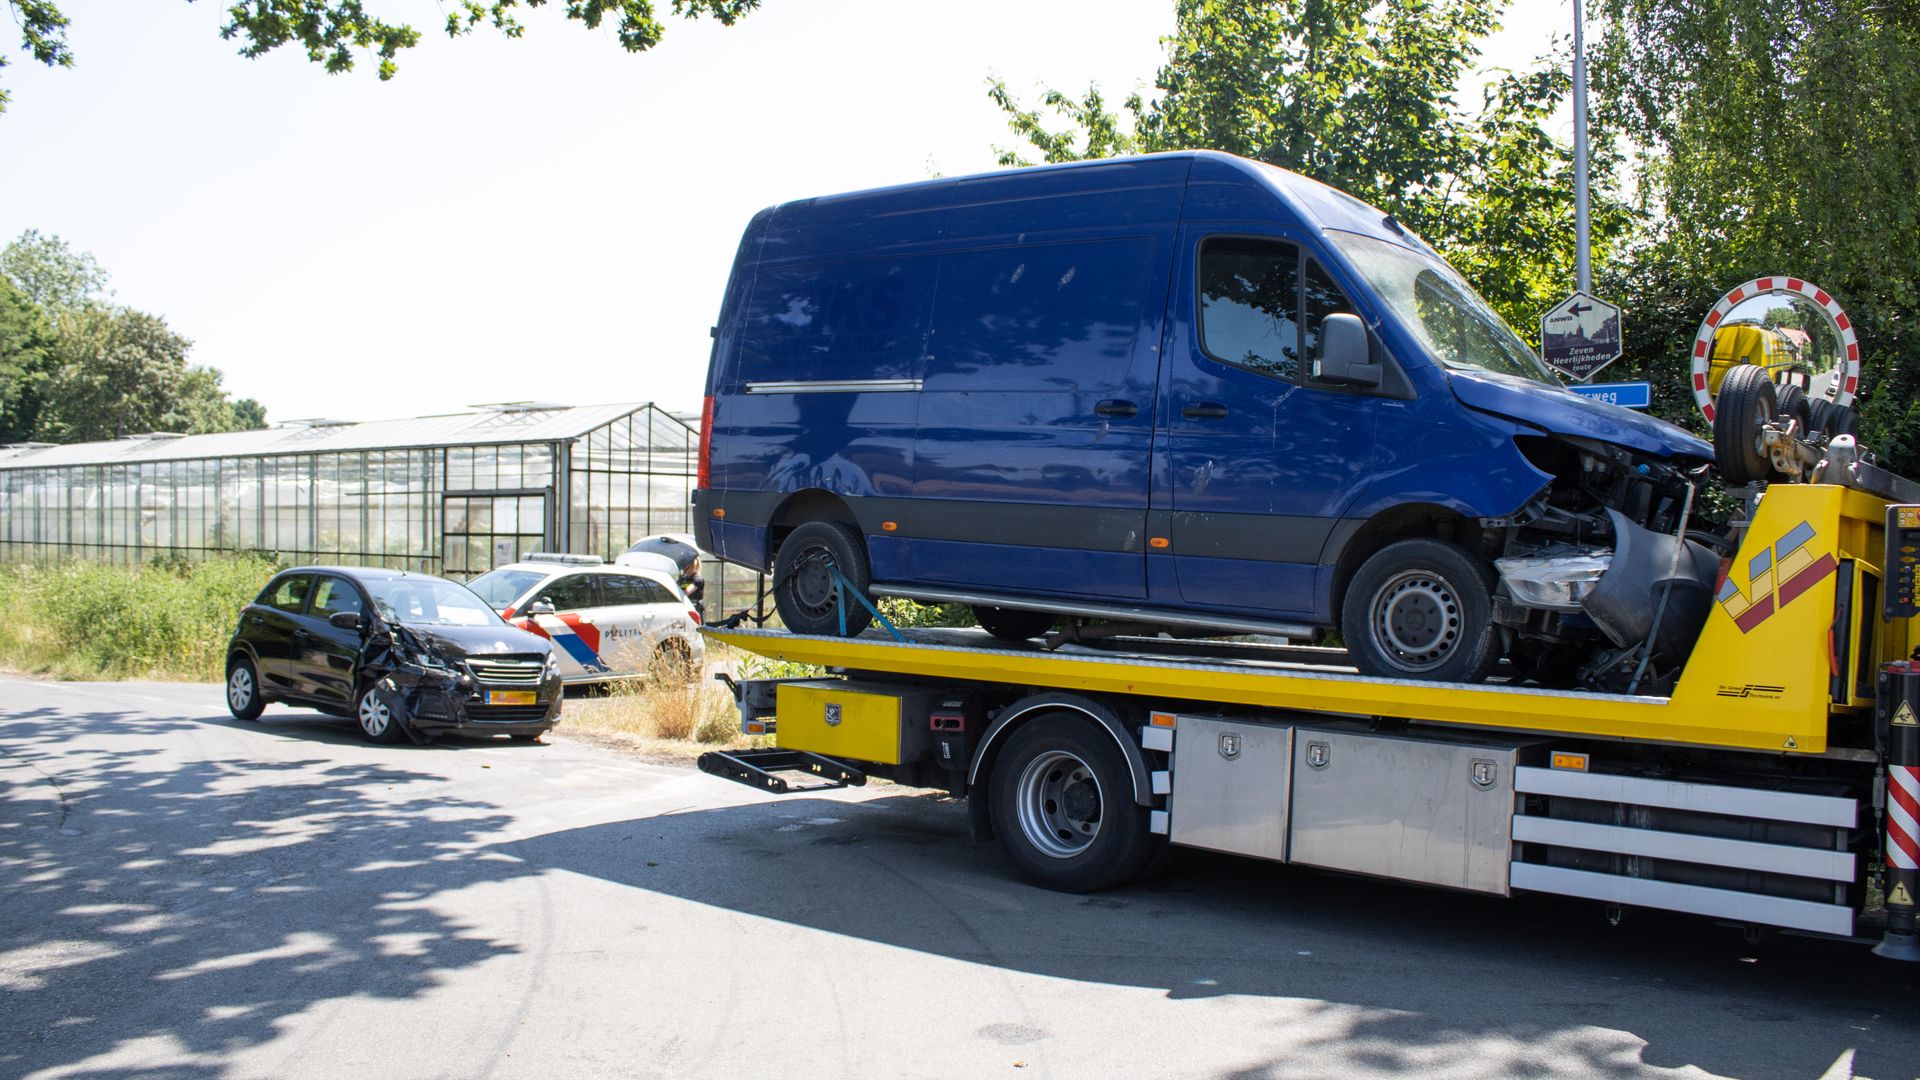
x,y
1631,395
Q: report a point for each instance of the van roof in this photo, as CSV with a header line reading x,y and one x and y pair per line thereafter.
x,y
1313,202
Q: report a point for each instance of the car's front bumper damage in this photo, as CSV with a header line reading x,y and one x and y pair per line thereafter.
x,y
429,693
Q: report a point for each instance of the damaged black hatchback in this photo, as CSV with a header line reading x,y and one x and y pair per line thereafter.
x,y
406,655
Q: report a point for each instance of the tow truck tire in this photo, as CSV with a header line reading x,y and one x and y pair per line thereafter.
x,y
377,722
1747,401
243,689
1062,806
1792,401
805,590
1012,624
1819,416
1421,609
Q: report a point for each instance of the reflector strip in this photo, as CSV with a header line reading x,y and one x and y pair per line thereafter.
x,y
1903,817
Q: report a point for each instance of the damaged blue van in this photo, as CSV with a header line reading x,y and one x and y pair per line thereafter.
x,y
1189,392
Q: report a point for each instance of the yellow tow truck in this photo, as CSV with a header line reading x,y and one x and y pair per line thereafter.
x,y
1774,786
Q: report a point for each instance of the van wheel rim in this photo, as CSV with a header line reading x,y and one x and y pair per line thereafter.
x,y
1059,804
374,716
811,583
1417,620
240,687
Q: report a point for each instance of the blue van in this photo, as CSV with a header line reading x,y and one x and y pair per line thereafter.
x,y
1187,391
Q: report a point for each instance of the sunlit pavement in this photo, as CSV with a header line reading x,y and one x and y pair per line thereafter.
x,y
185,895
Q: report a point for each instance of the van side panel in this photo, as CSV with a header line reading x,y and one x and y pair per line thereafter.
x,y
1035,439
818,381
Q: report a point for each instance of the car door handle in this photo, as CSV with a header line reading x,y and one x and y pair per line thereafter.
x,y
301,635
1116,407
1205,410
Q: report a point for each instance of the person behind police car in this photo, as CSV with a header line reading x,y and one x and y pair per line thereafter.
x,y
694,585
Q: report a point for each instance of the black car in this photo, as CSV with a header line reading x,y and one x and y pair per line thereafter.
x,y
405,654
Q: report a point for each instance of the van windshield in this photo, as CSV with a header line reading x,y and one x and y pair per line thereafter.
x,y
1451,320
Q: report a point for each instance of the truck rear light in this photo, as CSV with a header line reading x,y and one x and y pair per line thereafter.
x,y
705,478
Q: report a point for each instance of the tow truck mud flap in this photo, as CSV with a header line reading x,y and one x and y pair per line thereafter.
x,y
762,769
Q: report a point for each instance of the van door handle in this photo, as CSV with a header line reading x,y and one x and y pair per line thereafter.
x,y
1116,407
1205,410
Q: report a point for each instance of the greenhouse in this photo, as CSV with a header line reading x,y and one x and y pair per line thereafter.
x,y
455,494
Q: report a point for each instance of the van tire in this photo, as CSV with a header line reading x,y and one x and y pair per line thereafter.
x,y
1013,624
1421,609
1057,770
804,588
1747,400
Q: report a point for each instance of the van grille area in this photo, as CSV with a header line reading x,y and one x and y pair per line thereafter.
x,y
507,670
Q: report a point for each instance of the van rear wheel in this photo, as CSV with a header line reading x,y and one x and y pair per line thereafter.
x,y
1421,609
806,588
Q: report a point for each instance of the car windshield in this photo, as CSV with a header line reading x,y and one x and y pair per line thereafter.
x,y
502,587
1454,324
427,601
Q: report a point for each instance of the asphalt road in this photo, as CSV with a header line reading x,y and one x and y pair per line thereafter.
x,y
182,895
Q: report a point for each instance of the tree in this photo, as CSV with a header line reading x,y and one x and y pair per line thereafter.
x,y
333,32
26,360
1360,95
117,372
1778,139
248,415
52,275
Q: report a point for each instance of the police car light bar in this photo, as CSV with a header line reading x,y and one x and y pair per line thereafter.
x,y
562,557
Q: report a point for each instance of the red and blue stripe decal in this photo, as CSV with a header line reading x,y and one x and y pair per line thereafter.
x,y
576,637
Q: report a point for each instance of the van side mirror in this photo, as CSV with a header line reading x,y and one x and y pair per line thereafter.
x,y
1345,358
345,620
542,606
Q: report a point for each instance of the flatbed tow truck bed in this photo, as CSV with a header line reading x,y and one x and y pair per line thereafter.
x,y
1769,788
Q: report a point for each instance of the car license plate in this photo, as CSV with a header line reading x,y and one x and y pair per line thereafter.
x,y
510,697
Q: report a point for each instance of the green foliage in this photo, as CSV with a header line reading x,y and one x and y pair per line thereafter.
x,y
74,367
1780,139
1360,95
88,621
26,361
332,33
907,614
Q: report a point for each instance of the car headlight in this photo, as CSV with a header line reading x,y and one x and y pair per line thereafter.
x,y
1554,583
553,667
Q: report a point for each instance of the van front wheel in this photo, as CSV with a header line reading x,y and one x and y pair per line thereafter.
x,y
807,577
1421,609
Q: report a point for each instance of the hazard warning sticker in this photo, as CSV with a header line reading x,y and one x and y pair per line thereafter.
x,y
1903,716
1900,895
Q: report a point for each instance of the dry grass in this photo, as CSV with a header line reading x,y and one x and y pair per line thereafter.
x,y
664,718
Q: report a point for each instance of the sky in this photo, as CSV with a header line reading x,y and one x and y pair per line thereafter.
x,y
545,219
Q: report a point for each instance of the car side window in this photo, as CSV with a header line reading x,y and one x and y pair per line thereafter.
x,y
653,591
570,593
619,589
334,595
1250,305
289,593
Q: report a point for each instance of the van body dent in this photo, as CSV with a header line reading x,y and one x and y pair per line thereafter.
x,y
1186,389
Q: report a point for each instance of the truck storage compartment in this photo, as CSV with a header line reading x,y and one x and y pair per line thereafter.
x,y
855,720
1230,785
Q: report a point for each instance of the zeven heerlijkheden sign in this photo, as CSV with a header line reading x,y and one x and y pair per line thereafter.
x,y
1580,336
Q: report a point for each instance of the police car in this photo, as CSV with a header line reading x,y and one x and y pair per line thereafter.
x,y
606,622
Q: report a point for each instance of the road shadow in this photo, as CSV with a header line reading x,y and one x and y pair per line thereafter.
x,y
192,905
1414,981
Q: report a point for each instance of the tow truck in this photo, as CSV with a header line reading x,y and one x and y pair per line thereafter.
x,y
1777,784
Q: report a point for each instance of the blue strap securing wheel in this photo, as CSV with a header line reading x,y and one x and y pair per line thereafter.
x,y
840,604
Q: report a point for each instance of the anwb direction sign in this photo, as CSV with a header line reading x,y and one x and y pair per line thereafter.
x,y
1630,395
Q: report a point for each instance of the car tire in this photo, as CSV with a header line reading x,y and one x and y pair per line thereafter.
x,y
672,663
1013,624
243,689
1421,609
805,590
377,722
1747,401
1061,802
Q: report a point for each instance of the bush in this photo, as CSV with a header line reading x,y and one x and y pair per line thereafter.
x,y
92,621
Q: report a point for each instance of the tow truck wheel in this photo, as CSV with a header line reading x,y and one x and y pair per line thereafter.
x,y
1421,609
1013,624
1747,403
1062,806
243,689
377,721
808,592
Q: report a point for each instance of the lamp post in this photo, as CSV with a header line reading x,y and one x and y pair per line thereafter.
x,y
1583,272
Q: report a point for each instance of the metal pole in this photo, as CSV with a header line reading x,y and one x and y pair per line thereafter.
x,y
1899,708
1583,273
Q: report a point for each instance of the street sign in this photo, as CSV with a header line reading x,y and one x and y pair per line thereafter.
x,y
1580,336
1628,395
